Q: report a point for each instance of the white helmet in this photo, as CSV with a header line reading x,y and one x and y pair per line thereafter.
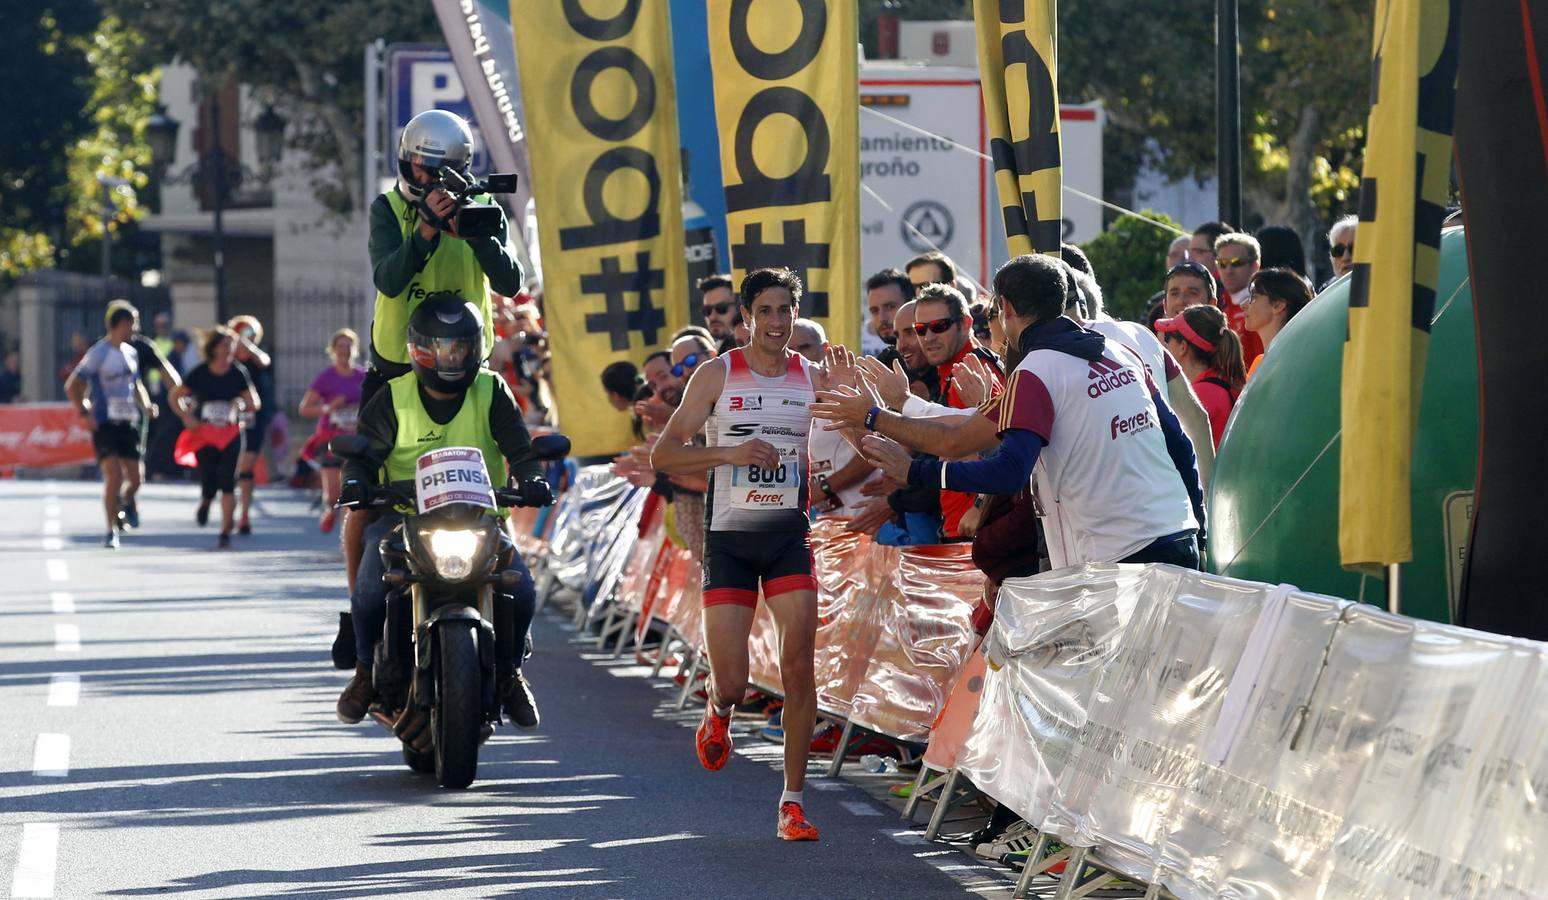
x,y
434,139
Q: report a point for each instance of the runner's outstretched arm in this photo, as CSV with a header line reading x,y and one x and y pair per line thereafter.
x,y
674,453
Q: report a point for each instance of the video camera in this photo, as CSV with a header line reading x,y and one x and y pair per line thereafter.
x,y
472,219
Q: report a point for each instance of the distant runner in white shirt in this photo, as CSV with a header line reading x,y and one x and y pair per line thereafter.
x,y
106,390
1083,416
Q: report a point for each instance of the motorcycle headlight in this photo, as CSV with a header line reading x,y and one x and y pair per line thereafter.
x,y
454,552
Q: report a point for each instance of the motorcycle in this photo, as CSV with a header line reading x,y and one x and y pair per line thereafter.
x,y
434,670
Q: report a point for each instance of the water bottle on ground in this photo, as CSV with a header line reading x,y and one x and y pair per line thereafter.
x,y
879,765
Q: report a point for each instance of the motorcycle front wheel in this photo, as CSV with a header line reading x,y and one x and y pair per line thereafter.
x,y
458,711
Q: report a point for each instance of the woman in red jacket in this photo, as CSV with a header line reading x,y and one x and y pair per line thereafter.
x,y
1210,355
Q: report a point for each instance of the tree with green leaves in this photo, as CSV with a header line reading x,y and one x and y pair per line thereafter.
x,y
306,58
1128,258
79,119
1305,70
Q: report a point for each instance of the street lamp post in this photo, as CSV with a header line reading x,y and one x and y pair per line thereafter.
x,y
216,168
107,184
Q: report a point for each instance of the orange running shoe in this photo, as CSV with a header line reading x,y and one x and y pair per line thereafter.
x,y
793,825
713,740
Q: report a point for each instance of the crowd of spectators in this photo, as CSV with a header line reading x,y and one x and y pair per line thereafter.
x,y
1223,298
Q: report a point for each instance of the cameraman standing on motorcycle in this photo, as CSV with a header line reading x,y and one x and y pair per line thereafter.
x,y
416,252
448,399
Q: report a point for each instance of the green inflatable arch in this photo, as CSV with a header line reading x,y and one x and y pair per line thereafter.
x,y
1273,502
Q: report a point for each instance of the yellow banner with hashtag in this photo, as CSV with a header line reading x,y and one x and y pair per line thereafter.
x,y
787,101
608,191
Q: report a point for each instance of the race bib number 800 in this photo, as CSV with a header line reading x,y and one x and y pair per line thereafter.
x,y
753,487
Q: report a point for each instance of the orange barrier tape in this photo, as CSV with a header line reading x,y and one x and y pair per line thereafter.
x,y
926,637
894,624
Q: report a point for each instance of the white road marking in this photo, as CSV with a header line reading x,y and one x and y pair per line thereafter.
x,y
630,842
52,544
860,809
57,571
51,510
35,861
51,756
64,690
51,526
67,638
64,602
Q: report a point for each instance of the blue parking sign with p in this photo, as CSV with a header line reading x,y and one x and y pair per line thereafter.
x,y
421,77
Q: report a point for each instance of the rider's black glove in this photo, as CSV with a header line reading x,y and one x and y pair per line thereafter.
x,y
536,493
353,494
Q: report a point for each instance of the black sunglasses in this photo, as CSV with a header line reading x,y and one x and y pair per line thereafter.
x,y
688,363
1340,249
717,309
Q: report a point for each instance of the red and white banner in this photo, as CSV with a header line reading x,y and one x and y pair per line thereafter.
x,y
38,435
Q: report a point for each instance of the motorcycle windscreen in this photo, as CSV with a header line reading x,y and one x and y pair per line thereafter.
x,y
452,475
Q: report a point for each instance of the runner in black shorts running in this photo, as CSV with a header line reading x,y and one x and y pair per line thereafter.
x,y
755,402
106,391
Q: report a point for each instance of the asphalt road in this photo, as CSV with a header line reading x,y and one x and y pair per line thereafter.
x,y
169,731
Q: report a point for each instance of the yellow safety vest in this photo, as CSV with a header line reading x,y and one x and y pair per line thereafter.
x,y
418,434
451,267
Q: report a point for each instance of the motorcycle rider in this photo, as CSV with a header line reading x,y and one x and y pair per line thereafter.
x,y
448,399
412,257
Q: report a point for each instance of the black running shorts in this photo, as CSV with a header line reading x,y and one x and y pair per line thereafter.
x,y
737,562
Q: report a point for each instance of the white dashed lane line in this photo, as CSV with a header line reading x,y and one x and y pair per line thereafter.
x,y
35,860
859,808
67,638
53,544
51,756
64,690
57,570
63,602
50,526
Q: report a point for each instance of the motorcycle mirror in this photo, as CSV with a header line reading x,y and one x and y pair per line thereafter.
x,y
550,447
349,446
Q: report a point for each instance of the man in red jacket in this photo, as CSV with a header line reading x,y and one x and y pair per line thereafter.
x,y
945,330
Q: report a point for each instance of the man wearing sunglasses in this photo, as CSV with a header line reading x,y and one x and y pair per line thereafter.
x,y
719,307
1238,256
1341,238
944,327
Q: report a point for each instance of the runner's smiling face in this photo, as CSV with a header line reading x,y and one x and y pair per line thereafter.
x,y
770,318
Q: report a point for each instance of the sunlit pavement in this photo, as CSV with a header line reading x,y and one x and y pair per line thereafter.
x,y
169,731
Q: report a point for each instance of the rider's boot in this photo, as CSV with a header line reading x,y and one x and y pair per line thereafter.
x,y
357,696
517,701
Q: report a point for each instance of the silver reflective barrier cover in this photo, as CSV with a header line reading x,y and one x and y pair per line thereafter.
x,y
1509,843
1053,634
582,511
611,543
1151,716
1246,818
1415,803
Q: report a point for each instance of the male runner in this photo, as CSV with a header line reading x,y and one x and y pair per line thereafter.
x,y
755,401
106,392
